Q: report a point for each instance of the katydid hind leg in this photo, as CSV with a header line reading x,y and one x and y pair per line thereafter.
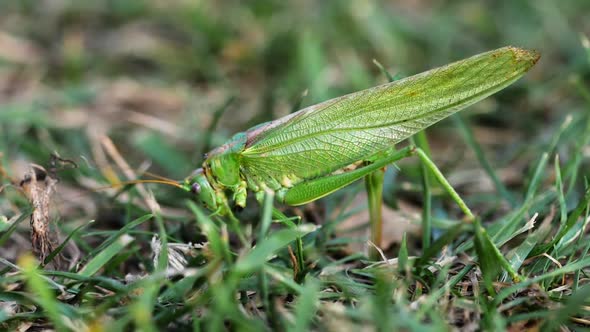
x,y
311,190
445,183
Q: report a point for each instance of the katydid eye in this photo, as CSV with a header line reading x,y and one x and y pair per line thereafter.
x,y
196,188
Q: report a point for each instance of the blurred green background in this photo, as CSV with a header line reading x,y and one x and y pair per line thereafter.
x,y
154,75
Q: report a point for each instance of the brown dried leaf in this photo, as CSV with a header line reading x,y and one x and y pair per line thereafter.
x,y
39,187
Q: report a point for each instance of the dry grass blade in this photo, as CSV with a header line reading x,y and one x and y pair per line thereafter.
x,y
113,152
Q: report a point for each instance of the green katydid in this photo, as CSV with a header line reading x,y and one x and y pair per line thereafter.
x,y
318,150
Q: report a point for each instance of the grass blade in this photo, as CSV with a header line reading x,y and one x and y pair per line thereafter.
x,y
306,306
257,257
39,286
103,257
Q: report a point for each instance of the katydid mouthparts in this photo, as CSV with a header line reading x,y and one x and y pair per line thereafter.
x,y
320,149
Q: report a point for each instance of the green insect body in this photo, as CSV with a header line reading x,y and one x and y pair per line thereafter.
x,y
322,148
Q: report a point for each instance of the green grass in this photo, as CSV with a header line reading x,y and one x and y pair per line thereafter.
x,y
168,82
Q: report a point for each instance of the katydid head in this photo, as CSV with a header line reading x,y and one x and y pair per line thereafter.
x,y
198,184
